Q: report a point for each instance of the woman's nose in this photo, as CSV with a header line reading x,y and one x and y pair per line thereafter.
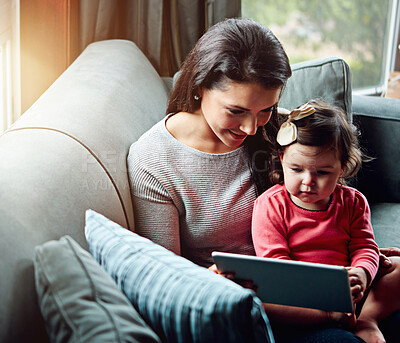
x,y
249,125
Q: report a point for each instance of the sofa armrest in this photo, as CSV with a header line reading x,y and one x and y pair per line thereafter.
x,y
379,122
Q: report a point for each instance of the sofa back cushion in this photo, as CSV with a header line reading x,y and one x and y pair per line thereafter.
x,y
326,78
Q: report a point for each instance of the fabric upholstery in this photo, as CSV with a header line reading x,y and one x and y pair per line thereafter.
x,y
325,78
66,154
181,301
80,302
379,118
386,223
98,89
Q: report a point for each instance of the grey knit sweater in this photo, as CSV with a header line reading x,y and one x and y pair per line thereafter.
x,y
188,201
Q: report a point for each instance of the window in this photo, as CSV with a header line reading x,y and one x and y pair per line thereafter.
x,y
9,63
5,85
362,32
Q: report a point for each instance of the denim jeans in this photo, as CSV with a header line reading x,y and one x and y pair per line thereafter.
x,y
390,327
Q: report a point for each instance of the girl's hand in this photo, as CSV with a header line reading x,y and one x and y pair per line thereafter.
x,y
358,282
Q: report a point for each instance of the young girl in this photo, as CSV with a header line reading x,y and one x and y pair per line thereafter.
x,y
310,215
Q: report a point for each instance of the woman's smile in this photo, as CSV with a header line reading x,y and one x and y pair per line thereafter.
x,y
238,136
233,112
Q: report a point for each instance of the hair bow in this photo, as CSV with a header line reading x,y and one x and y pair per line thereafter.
x,y
287,133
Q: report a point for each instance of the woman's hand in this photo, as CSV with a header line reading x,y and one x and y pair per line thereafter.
x,y
213,268
346,321
358,282
231,276
385,264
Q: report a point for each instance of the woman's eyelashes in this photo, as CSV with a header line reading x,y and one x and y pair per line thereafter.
x,y
235,111
269,109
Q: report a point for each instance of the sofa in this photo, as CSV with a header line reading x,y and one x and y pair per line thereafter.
x,y
67,154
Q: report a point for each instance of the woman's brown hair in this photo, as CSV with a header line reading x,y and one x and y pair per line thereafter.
x,y
240,50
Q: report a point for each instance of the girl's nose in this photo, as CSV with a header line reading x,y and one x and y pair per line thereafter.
x,y
308,178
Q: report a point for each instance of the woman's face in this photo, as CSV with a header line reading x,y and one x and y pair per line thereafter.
x,y
236,111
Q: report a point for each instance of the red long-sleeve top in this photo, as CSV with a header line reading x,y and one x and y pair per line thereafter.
x,y
341,235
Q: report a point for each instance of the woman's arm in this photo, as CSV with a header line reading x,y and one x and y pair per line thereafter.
x,y
155,214
385,264
308,317
157,221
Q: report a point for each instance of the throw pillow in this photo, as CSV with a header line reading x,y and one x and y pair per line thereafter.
x,y
181,301
79,301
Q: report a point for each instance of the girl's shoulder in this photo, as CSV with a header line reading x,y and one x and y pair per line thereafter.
x,y
276,191
347,193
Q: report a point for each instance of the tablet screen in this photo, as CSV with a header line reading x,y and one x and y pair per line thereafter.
x,y
292,283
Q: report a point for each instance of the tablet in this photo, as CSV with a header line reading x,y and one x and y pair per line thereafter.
x,y
293,283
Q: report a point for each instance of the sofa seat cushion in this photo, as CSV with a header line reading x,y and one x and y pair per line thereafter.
x,y
79,301
181,301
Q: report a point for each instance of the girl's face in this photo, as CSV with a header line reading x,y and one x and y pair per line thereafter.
x,y
310,175
234,112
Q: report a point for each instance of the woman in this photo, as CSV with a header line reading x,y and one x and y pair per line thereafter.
x,y
192,169
195,175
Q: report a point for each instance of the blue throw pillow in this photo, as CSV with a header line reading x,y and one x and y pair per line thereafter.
x,y
80,302
181,301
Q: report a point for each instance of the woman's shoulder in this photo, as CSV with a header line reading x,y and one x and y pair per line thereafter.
x,y
149,148
154,134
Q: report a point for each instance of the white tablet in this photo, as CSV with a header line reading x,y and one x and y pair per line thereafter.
x,y
293,283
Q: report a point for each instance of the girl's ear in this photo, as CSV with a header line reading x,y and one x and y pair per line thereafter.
x,y
280,154
343,169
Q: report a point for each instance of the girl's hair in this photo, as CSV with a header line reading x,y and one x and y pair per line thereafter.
x,y
244,51
327,128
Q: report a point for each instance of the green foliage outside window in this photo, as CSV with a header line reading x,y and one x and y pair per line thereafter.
x,y
354,30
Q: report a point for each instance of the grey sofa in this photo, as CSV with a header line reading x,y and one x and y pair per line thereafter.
x,y
67,154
